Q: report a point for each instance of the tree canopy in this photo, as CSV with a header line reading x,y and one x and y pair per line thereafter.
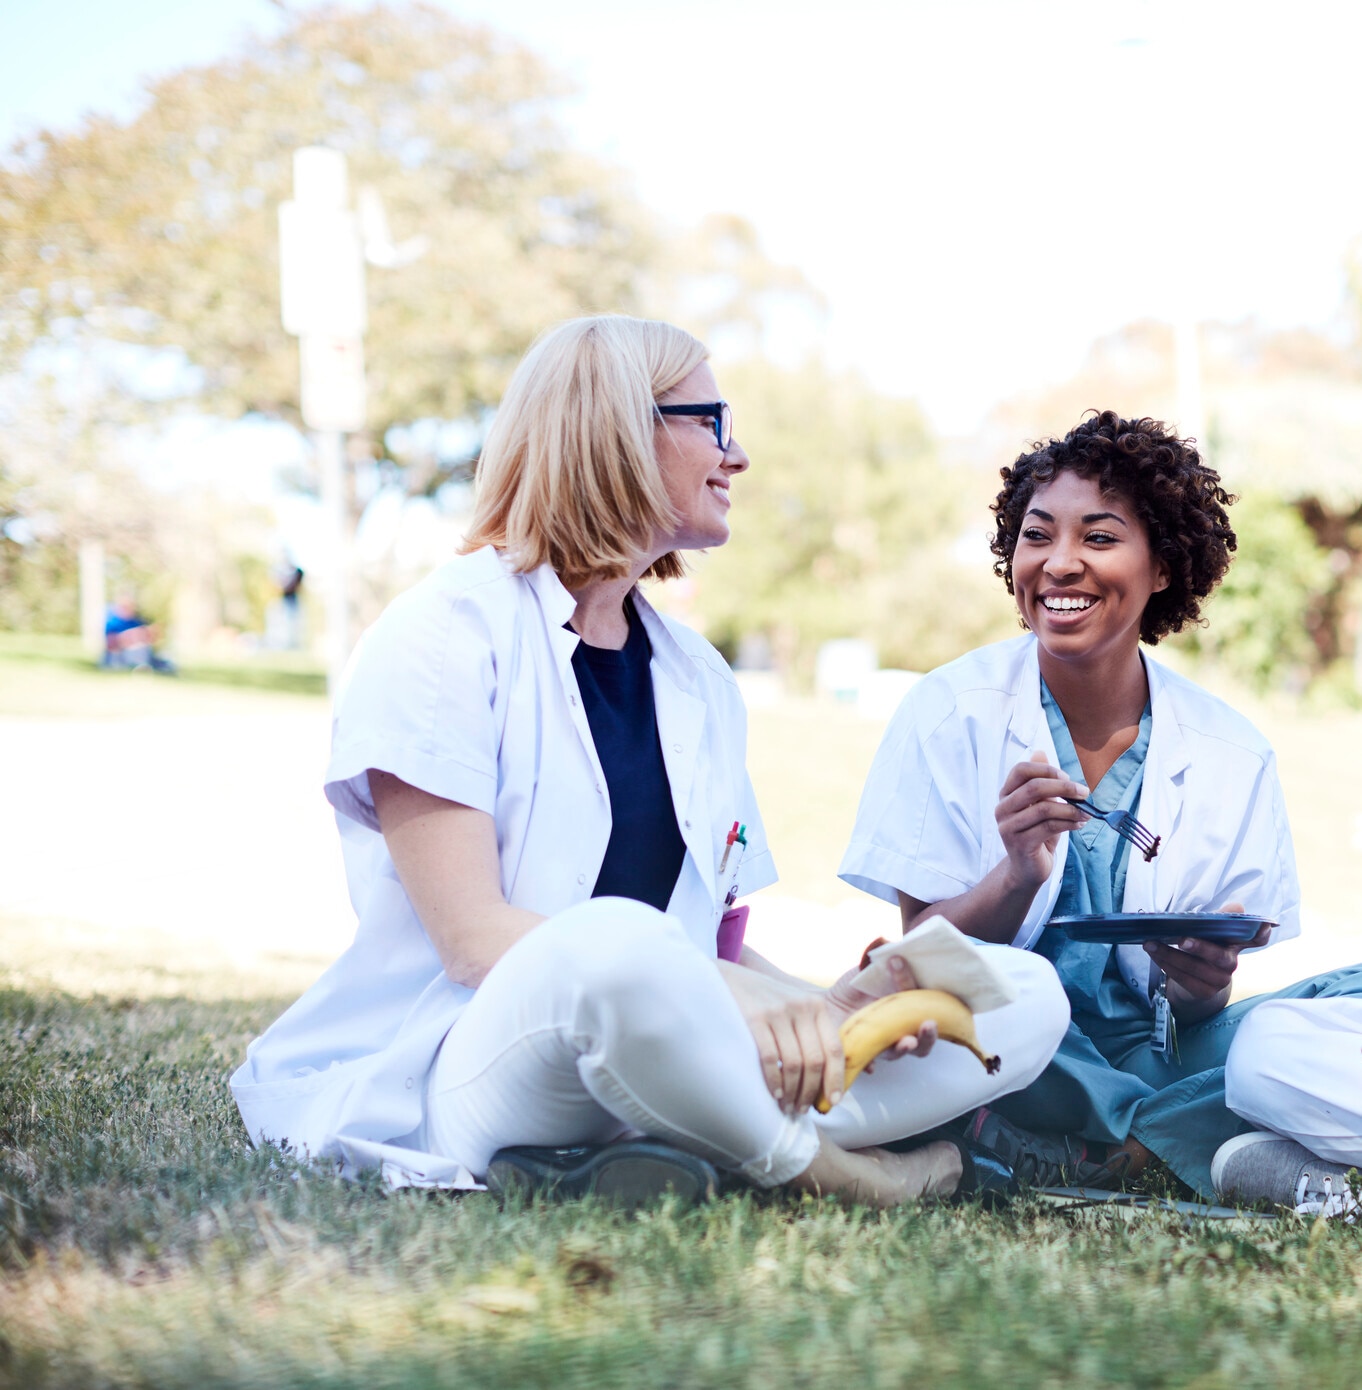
x,y
161,230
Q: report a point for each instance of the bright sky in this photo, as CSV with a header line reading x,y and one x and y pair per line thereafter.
x,y
979,187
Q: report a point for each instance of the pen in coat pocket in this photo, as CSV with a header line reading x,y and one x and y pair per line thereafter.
x,y
738,836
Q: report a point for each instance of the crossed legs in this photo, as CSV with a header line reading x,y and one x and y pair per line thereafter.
x,y
606,1021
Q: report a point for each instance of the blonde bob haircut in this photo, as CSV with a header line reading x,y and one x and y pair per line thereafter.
x,y
569,474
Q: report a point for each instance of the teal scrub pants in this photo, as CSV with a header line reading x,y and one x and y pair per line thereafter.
x,y
1106,1082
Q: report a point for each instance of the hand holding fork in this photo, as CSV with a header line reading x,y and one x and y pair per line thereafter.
x,y
1037,804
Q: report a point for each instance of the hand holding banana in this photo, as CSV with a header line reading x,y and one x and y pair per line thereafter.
x,y
869,1031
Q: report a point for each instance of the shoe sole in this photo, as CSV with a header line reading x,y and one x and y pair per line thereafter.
x,y
629,1175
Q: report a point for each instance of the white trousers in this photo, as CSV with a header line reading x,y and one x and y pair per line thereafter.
x,y
1295,1067
607,1020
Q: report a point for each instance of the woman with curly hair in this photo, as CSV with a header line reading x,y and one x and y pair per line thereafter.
x,y
1113,536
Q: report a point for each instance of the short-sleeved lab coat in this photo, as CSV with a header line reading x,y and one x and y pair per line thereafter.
x,y
465,688
926,823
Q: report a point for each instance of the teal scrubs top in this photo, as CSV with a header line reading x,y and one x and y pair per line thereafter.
x,y
1094,870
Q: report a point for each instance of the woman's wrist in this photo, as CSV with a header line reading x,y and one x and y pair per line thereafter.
x,y
1018,884
1188,1009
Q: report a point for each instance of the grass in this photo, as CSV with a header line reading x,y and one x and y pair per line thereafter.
x,y
143,1243
42,674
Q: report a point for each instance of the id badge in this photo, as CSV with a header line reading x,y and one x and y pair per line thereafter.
x,y
1164,1040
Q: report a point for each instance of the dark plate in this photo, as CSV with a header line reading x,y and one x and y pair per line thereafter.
x,y
1123,928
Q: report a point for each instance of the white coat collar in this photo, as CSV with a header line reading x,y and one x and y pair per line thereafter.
x,y
1029,730
677,697
558,606
670,654
1150,885
1028,726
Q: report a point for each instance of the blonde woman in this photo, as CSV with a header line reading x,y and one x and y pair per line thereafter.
x,y
537,779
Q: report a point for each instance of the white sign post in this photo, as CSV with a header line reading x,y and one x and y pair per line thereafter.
x,y
322,301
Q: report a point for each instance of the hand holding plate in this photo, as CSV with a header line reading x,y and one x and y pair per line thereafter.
x,y
1203,969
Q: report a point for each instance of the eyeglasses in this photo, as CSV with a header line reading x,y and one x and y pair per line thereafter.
x,y
718,411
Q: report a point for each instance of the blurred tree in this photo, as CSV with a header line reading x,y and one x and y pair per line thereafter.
x,y
162,231
847,525
64,480
37,581
718,280
1263,621
70,434
154,242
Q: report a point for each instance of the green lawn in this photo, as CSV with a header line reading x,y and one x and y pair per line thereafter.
x,y
50,676
142,1243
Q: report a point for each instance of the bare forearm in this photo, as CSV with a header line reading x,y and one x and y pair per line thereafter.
x,y
993,910
445,855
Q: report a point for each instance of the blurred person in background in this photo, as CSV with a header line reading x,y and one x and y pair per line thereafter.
x,y
538,780
130,639
284,617
1111,536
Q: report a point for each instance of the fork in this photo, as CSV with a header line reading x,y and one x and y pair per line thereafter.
x,y
1125,825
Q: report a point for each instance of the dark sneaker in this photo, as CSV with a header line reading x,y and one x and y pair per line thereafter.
x,y
1045,1160
628,1174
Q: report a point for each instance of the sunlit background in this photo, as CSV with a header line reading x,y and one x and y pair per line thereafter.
x,y
918,235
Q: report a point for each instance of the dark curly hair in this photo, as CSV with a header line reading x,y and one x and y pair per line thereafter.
x,y
1162,477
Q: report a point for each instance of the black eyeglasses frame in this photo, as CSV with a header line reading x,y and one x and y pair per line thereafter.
x,y
721,411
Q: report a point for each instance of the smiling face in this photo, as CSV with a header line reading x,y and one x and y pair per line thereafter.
x,y
1083,571
695,471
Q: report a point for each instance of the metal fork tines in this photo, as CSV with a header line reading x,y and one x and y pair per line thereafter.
x,y
1125,825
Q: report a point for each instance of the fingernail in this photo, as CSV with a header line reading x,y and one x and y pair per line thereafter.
x,y
836,1097
896,965
1082,790
780,1095
1186,945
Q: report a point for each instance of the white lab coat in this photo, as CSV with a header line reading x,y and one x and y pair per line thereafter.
x,y
926,823
465,688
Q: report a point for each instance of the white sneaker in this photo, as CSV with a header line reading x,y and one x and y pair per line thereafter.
x,y
1262,1166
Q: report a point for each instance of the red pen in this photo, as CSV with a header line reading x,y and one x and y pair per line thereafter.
x,y
729,841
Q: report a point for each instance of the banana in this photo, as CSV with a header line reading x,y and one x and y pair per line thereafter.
x,y
879,1025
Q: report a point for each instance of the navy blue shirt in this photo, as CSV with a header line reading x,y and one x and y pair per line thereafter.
x,y
643,858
